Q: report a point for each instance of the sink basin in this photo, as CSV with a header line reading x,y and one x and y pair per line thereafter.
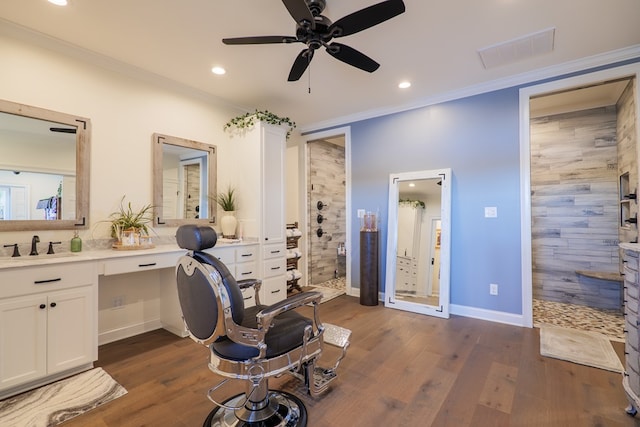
x,y
26,260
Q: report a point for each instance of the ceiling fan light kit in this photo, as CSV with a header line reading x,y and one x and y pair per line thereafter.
x,y
316,30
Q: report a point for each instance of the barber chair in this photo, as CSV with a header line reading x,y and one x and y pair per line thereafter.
x,y
251,344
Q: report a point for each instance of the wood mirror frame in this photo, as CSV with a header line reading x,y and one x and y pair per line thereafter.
x,y
82,170
159,143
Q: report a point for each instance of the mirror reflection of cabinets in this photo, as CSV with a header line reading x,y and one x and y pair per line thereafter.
x,y
44,169
184,181
417,276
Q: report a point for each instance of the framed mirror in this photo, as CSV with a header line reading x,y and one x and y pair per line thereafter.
x,y
184,181
44,169
418,242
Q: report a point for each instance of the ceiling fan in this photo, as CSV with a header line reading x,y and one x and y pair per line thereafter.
x,y
316,30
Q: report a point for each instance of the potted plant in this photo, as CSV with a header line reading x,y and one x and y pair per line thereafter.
x,y
247,120
228,222
128,225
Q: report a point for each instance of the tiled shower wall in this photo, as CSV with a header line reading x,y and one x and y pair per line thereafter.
x,y
627,154
574,201
327,183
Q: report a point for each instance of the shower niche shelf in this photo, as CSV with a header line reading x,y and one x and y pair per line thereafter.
x,y
628,202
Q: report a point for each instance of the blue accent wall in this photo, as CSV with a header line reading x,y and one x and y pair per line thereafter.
x,y
478,138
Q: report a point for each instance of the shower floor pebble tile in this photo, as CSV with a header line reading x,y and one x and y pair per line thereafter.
x,y
605,322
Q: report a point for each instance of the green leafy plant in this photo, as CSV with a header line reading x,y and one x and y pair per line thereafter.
x,y
227,199
413,203
247,120
126,218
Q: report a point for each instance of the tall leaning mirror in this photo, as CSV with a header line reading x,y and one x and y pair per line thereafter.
x,y
184,183
418,242
44,169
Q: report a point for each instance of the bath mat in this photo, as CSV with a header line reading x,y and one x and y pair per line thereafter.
x,y
327,293
55,403
584,348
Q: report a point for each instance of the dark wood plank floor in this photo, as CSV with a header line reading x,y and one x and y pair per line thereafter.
x,y
402,369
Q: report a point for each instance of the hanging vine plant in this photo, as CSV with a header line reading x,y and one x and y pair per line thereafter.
x,y
413,203
247,120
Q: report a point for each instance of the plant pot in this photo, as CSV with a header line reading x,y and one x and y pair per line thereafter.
x,y
228,224
130,237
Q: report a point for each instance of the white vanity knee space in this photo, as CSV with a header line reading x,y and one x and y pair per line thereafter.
x,y
48,323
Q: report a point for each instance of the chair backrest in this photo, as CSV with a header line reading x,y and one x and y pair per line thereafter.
x,y
199,275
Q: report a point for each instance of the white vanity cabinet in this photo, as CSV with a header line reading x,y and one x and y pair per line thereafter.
x,y
48,324
259,182
631,378
242,263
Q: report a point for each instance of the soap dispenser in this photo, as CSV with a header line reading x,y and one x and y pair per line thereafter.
x,y
76,243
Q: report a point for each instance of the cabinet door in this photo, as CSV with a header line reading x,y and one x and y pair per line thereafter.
x,y
23,340
273,223
273,289
71,329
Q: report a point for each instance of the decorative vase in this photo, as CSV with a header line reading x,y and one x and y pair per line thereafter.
x,y
228,224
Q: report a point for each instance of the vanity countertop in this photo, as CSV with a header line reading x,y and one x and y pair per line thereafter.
x,y
631,246
100,254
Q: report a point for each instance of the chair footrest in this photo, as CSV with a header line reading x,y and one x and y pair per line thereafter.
x,y
322,378
336,335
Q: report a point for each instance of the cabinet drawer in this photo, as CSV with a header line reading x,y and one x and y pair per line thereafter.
x,y
249,296
631,291
630,276
632,333
132,264
631,307
246,254
246,270
29,280
634,381
273,290
274,251
226,255
274,267
632,359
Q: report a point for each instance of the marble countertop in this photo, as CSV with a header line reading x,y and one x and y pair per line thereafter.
x,y
631,246
99,254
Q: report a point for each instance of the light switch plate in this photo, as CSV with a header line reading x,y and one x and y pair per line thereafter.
x,y
491,212
360,213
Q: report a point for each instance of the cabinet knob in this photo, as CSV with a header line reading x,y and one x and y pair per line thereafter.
x,y
43,306
53,304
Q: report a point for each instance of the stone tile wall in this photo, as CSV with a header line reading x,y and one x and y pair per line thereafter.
x,y
574,201
327,183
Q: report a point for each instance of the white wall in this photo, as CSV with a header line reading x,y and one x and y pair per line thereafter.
x,y
124,112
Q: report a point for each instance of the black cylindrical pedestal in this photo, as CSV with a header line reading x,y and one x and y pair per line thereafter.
x,y
369,267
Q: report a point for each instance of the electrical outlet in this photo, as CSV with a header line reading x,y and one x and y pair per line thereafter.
x,y
493,289
360,213
117,302
491,212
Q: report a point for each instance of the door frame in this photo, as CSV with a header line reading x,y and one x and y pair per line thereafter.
x,y
303,194
631,70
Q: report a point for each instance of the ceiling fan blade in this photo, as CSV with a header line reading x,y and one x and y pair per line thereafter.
x,y
351,56
367,17
300,12
300,65
260,40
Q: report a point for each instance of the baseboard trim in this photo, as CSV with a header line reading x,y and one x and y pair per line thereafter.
x,y
490,315
128,331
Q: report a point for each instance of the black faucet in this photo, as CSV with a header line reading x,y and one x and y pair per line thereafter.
x,y
16,252
50,251
34,248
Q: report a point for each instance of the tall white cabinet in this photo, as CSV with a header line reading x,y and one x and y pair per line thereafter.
x,y
259,180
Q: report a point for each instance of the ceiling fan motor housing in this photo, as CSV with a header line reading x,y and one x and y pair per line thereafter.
x,y
316,6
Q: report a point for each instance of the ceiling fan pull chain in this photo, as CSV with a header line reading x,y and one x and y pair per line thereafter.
x,y
309,75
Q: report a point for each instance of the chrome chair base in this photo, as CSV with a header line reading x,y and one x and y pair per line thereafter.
x,y
289,412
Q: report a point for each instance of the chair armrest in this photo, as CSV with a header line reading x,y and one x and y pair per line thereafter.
x,y
266,315
247,283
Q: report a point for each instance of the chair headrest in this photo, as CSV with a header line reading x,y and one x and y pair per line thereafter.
x,y
196,238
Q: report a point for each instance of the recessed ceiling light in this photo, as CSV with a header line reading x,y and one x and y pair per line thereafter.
x,y
58,2
218,70
412,184
404,85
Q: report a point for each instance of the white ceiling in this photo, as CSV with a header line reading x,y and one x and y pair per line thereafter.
x,y
434,44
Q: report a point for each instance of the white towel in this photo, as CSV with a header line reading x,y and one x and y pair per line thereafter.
x,y
295,232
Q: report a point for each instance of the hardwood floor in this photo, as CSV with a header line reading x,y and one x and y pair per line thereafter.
x,y
402,369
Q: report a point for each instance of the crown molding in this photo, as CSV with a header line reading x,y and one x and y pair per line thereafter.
x,y
582,64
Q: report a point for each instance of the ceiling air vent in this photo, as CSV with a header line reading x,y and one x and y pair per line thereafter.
x,y
518,49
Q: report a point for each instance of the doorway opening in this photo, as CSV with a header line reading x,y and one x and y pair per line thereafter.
x,y
325,225
581,137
